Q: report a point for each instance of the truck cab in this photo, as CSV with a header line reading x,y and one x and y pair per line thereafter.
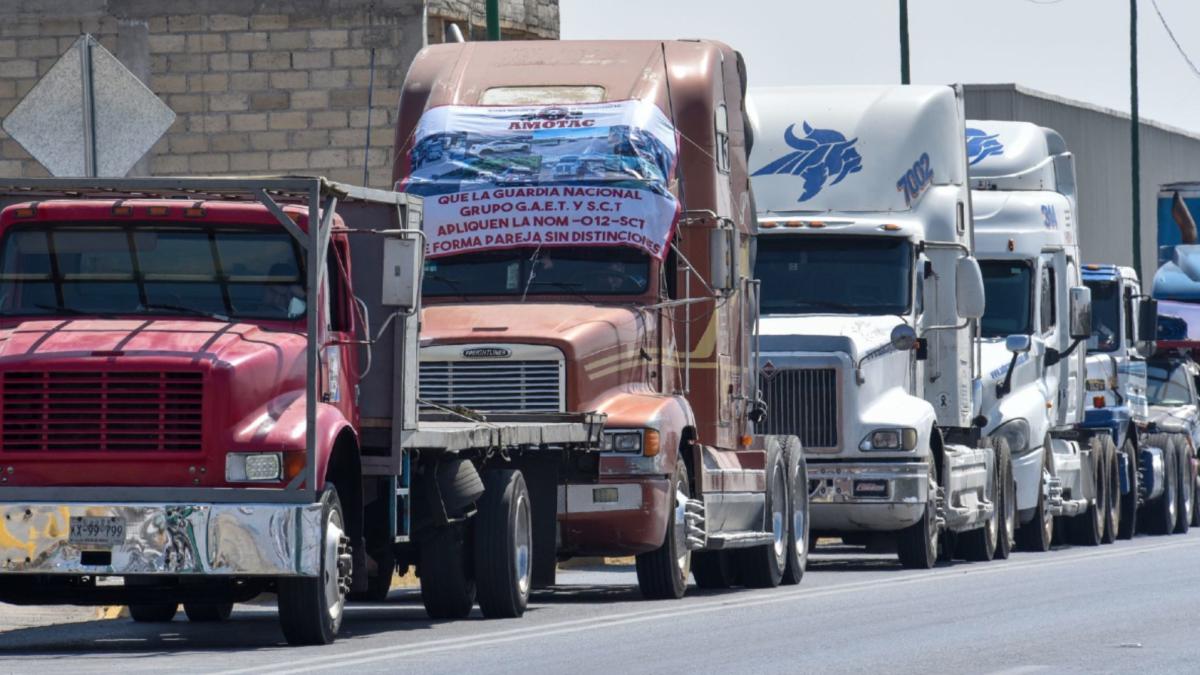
x,y
870,301
1023,194
614,279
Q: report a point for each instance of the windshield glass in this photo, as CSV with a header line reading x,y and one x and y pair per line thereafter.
x,y
806,274
1166,384
545,271
1106,316
1006,285
150,269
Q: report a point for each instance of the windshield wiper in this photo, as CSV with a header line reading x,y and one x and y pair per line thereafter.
x,y
69,310
185,310
830,304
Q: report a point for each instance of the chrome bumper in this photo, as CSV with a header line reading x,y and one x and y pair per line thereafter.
x,y
165,539
867,496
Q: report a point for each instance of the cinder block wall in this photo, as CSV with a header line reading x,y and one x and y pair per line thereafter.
x,y
259,87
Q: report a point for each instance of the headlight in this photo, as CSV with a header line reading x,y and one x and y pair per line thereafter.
x,y
632,442
1016,432
244,467
890,439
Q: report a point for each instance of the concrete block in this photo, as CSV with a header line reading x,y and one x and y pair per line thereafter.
x,y
209,163
168,84
287,120
242,162
229,102
311,60
289,160
251,82
248,122
228,22
271,60
167,43
269,140
292,79
269,100
248,42
229,61
330,39
310,99
328,158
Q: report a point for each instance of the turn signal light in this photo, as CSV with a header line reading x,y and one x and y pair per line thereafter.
x,y
768,226
1097,401
651,444
293,464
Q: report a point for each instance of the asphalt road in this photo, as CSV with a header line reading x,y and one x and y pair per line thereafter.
x,y
1129,607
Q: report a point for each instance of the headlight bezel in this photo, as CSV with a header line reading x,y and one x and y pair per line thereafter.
x,y
1017,433
238,467
641,442
889,439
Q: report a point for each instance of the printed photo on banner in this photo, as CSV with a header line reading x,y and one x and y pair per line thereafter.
x,y
497,177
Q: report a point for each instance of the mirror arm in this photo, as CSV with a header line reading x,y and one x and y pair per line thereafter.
x,y
1003,388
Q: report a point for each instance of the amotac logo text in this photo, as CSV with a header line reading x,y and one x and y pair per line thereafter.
x,y
981,145
821,155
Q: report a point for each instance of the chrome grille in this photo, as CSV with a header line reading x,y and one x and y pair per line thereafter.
x,y
101,411
494,386
803,402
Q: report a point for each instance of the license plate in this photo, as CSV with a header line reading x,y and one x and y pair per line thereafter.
x,y
96,531
871,488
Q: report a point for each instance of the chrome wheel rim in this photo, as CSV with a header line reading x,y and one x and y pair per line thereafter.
x,y
336,568
1010,513
522,544
779,518
1170,497
800,525
683,556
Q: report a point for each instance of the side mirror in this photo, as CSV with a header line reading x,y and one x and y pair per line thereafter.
x,y
1081,312
1148,320
402,266
968,288
903,337
1018,344
723,257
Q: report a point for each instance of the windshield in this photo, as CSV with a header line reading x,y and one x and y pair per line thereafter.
x,y
150,269
544,271
1009,311
1166,384
806,274
1106,316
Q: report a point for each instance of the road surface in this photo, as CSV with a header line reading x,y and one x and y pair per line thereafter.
x,y
1128,607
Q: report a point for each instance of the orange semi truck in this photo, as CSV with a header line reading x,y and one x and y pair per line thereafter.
x,y
590,236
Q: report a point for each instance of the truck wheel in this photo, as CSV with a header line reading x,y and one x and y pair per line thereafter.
x,y
1187,482
979,545
662,573
713,570
447,587
153,613
1008,497
1038,533
1087,528
1112,513
798,523
917,544
311,609
504,545
1129,501
207,612
1196,501
763,566
1160,517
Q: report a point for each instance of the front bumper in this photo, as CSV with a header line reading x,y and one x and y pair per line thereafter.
x,y
868,496
164,539
613,518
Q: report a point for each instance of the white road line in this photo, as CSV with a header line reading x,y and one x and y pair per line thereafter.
x,y
307,664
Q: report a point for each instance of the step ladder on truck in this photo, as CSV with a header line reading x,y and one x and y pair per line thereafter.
x,y
210,392
589,234
871,297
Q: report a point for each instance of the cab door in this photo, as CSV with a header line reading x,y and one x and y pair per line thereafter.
x,y
1049,332
1074,369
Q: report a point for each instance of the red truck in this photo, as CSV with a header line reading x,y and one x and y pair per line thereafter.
x,y
196,409
590,234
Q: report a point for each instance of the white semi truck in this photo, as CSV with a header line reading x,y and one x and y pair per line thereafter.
x,y
870,299
1038,313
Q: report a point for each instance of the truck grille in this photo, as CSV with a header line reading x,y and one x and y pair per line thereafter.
x,y
494,386
101,411
803,402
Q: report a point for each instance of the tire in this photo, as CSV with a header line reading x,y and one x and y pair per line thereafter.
x,y
763,566
714,570
1112,513
153,613
1007,527
504,545
798,521
1160,514
1129,501
311,609
447,583
1186,490
1087,528
662,573
979,545
207,612
917,544
380,583
1195,501
1038,533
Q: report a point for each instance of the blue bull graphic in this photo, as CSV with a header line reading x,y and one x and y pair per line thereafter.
x,y
820,154
981,145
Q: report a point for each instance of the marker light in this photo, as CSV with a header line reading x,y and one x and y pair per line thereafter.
x,y
119,210
159,210
25,212
1097,401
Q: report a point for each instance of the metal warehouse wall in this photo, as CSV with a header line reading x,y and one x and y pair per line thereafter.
x,y
1099,137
